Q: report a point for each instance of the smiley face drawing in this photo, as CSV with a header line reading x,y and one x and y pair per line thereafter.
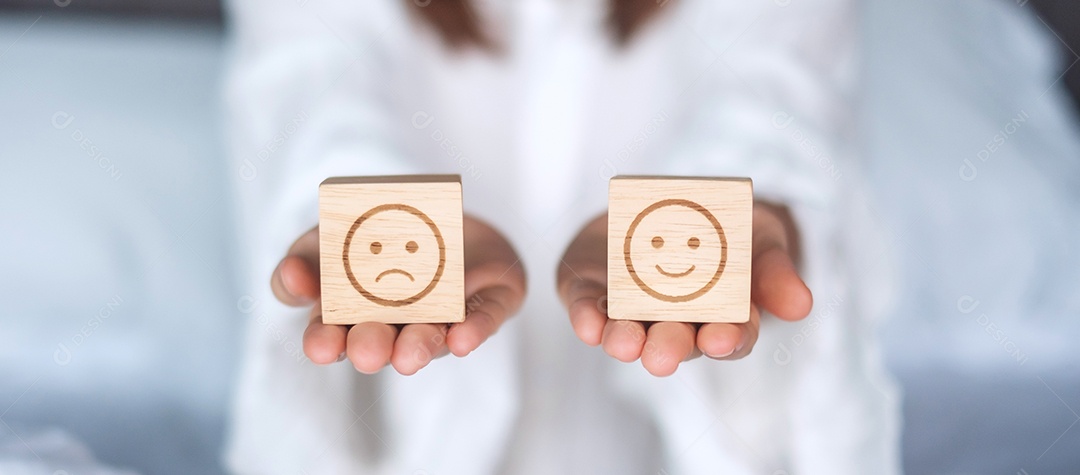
x,y
394,255
675,250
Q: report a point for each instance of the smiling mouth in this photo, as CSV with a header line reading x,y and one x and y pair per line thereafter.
x,y
680,274
399,271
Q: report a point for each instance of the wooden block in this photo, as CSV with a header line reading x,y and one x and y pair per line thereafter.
x,y
391,249
679,249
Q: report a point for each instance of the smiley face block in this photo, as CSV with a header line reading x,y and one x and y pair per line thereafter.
x,y
679,249
391,249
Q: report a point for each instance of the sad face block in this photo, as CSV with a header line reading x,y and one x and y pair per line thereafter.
x,y
679,249
391,249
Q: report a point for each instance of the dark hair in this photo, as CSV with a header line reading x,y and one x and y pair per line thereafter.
x,y
458,24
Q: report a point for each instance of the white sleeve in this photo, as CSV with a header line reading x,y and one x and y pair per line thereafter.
x,y
770,88
307,97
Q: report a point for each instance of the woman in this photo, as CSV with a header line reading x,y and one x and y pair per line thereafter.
x,y
537,104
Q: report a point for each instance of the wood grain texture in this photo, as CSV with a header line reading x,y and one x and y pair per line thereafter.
x,y
391,249
679,249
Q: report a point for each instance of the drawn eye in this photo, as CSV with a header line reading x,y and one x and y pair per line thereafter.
x,y
693,243
411,246
658,242
376,247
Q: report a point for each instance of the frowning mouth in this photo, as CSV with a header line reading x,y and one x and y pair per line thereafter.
x,y
399,271
671,274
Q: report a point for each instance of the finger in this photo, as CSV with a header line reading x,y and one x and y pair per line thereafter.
x,y
369,346
774,280
623,339
295,281
588,311
730,341
776,287
417,345
485,312
719,340
667,344
495,286
323,344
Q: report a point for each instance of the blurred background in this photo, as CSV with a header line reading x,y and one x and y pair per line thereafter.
x,y
119,333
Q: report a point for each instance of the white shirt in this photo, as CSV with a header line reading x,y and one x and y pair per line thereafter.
x,y
761,89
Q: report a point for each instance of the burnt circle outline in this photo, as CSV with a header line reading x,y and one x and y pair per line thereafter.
x,y
630,264
434,231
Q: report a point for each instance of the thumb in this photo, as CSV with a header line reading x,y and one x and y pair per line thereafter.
x,y
775,284
295,281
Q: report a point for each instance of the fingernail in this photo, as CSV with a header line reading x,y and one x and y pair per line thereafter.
x,y
340,357
725,355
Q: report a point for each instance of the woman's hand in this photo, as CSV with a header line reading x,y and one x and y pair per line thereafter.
x,y
775,287
494,286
